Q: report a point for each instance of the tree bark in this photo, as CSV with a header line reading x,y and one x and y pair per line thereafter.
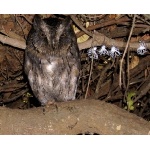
x,y
73,117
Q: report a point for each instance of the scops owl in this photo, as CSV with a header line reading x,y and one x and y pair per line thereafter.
x,y
52,61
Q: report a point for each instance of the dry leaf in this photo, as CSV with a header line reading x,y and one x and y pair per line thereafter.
x,y
82,38
134,62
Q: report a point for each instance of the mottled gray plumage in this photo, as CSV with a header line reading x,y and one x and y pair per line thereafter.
x,y
52,61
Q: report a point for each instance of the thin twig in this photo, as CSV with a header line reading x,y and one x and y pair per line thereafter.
x,y
30,22
19,94
101,77
20,26
91,68
87,89
143,90
125,51
103,24
77,22
144,20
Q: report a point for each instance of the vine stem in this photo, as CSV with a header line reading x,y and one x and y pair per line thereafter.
x,y
91,68
125,51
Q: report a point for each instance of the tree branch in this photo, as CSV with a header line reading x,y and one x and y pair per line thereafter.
x,y
101,39
72,117
13,42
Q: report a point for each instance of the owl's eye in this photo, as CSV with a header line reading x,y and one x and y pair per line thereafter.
x,y
42,34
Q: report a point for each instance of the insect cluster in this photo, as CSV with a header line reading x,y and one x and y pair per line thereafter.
x,y
94,52
114,52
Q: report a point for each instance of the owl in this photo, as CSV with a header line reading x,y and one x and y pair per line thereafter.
x,y
52,60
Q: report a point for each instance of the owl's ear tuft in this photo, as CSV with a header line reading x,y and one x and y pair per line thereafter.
x,y
37,22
